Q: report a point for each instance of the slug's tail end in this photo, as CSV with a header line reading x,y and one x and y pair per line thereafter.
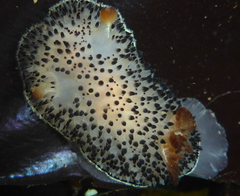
x,y
213,156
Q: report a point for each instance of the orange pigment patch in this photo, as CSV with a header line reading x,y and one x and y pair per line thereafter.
x,y
177,142
108,15
37,93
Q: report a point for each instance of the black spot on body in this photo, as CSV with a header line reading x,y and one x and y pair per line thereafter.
x,y
60,51
57,42
67,45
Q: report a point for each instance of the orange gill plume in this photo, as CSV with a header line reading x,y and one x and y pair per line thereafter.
x,y
177,143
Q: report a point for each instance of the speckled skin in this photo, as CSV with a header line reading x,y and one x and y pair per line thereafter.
x,y
85,78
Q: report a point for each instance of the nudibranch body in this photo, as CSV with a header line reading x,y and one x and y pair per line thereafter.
x,y
83,76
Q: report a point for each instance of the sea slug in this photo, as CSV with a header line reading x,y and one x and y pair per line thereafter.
x,y
82,75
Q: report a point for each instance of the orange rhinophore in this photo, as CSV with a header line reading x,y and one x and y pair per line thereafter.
x,y
37,93
108,15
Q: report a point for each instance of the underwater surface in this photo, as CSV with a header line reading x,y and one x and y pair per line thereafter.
x,y
194,46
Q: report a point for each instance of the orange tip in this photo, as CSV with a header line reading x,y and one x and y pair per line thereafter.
x,y
37,93
108,15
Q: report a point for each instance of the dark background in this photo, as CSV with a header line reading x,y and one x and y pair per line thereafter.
x,y
194,45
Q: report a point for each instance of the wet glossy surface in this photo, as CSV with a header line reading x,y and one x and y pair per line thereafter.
x,y
193,45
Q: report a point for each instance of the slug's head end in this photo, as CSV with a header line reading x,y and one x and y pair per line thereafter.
x,y
108,15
